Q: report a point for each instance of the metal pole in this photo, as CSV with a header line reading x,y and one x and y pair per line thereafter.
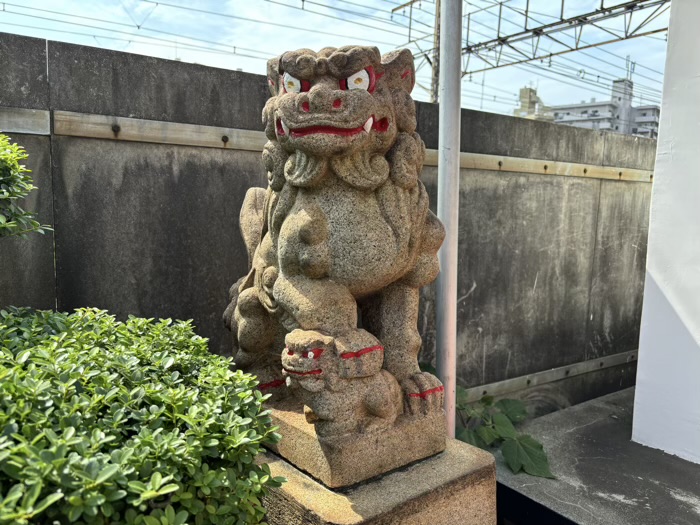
x,y
435,81
448,200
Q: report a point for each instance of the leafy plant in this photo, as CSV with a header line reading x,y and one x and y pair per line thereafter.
x,y
488,425
15,184
104,422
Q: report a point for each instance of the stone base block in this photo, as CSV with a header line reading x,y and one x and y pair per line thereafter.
x,y
349,460
457,486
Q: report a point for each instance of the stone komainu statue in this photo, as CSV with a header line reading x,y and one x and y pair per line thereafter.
x,y
341,241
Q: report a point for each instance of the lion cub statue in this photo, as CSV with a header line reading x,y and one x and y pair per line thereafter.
x,y
341,383
341,241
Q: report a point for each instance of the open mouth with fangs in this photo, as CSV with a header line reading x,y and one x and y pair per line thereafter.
x,y
371,124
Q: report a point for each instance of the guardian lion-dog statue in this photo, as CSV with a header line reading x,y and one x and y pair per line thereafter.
x,y
339,243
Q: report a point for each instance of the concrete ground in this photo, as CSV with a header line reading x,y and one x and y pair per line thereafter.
x,y
602,476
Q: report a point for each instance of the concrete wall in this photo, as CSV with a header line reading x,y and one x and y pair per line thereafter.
x,y
667,404
551,267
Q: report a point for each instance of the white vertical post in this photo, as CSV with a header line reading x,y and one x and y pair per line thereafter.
x,y
448,199
667,398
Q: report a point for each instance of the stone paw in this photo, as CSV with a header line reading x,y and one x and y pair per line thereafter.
x,y
424,394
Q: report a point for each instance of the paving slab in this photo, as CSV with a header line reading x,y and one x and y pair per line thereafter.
x,y
602,476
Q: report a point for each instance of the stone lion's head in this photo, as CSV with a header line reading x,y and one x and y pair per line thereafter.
x,y
339,101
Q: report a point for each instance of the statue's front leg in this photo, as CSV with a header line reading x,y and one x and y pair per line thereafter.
x,y
393,317
316,304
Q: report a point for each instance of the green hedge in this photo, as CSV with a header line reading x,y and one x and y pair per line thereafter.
x,y
15,185
104,422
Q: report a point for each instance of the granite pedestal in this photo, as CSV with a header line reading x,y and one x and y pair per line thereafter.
x,y
348,460
457,486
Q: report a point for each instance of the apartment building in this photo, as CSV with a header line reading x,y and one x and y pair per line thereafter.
x,y
616,114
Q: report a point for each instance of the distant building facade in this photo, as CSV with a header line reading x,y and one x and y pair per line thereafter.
x,y
617,114
532,107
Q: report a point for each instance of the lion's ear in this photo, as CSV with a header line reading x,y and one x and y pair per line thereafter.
x,y
399,70
273,75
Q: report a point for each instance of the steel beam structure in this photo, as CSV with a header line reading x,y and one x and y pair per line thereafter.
x,y
491,51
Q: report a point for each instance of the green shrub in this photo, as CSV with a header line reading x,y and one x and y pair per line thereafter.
x,y
104,422
15,184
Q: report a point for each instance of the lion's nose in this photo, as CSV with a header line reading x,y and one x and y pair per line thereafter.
x,y
323,99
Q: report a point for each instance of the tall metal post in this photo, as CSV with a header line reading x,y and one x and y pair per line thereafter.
x,y
448,199
435,79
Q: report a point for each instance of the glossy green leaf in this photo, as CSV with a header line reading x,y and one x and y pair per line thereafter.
x,y
513,409
527,454
503,427
93,416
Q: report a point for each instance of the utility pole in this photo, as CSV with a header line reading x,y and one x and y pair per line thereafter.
x,y
435,84
435,61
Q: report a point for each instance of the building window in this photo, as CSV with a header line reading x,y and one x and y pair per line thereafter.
x,y
634,130
584,112
617,116
616,128
644,114
556,114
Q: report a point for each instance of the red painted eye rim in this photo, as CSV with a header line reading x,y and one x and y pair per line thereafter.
x,y
305,85
315,353
343,83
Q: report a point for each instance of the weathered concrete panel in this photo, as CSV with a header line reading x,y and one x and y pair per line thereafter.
x,y
617,284
625,151
525,256
23,79
26,265
494,134
544,399
151,230
91,80
602,476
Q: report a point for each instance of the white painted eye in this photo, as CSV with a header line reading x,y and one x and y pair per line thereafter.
x,y
291,84
359,80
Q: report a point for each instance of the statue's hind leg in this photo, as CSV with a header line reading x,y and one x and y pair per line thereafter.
x,y
392,316
258,340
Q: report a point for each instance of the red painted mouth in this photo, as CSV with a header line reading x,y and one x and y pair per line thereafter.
x,y
272,384
379,126
309,373
328,130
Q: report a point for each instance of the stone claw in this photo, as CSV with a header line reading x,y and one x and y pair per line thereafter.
x,y
424,394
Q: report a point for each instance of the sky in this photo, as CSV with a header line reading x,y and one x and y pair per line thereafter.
x,y
244,34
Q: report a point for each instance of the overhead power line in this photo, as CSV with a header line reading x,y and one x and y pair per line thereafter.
x,y
230,48
333,17
266,22
175,45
